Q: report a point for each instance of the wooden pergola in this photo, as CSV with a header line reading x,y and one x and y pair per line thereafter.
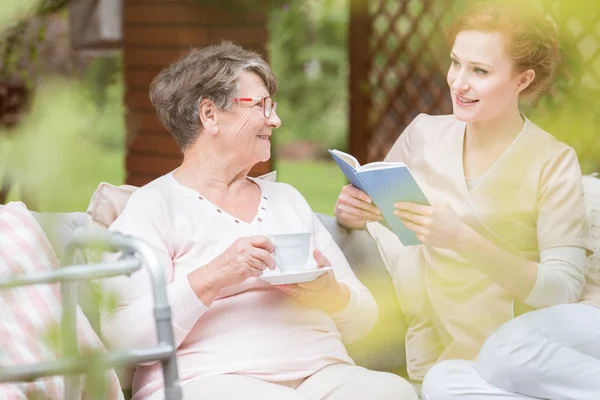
x,y
155,33
398,61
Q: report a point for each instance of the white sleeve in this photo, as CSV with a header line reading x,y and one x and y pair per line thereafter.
x,y
560,277
131,323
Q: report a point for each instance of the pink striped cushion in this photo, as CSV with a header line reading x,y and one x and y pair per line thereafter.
x,y
28,313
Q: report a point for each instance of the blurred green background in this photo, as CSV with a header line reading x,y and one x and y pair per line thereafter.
x,y
74,137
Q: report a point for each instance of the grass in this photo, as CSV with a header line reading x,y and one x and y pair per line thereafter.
x,y
319,182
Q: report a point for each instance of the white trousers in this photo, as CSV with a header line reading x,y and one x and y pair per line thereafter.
x,y
551,354
336,382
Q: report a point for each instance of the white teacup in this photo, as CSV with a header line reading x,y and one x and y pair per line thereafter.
x,y
291,251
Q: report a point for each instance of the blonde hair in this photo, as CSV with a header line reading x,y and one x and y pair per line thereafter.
x,y
531,40
208,73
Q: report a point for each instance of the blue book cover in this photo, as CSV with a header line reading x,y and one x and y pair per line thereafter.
x,y
386,183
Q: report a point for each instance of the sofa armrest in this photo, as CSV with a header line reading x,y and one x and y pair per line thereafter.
x,y
60,227
383,348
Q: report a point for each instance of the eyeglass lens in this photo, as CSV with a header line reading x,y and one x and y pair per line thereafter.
x,y
268,107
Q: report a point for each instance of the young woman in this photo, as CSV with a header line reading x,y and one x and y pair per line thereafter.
x,y
505,232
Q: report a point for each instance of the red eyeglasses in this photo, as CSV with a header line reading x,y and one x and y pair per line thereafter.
x,y
267,104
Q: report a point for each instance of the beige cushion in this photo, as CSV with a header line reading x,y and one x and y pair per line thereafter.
x,y
109,201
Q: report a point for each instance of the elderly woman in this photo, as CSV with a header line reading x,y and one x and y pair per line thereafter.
x,y
237,336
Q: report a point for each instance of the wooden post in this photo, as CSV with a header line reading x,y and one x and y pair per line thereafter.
x,y
359,89
156,33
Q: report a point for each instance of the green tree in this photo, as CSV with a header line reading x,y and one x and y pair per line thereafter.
x,y
308,53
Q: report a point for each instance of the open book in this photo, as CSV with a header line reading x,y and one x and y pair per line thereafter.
x,y
386,183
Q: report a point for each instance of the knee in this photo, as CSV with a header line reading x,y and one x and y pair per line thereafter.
x,y
507,359
392,387
440,380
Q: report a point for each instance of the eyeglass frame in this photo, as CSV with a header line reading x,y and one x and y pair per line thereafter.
x,y
262,100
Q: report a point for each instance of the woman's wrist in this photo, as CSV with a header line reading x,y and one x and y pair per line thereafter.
x,y
204,285
340,300
352,224
467,240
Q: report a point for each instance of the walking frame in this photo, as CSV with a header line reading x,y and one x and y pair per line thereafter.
x,y
135,254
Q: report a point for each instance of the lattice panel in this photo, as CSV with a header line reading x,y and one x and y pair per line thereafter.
x,y
407,61
406,72
581,31
571,110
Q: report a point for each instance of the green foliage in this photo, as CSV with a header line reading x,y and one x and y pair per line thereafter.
x,y
13,11
95,375
55,154
15,19
308,53
22,31
104,83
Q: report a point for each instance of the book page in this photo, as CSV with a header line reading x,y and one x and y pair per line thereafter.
x,y
347,158
381,165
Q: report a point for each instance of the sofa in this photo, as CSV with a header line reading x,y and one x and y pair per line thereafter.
x,y
382,349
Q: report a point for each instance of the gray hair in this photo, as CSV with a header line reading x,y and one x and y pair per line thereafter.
x,y
208,73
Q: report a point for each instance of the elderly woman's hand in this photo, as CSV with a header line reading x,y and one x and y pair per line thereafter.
x,y
325,292
246,258
354,208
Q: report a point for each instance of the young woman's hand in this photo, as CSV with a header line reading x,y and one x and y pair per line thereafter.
x,y
324,293
437,226
354,208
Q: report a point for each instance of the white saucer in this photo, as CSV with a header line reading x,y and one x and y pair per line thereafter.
x,y
287,278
